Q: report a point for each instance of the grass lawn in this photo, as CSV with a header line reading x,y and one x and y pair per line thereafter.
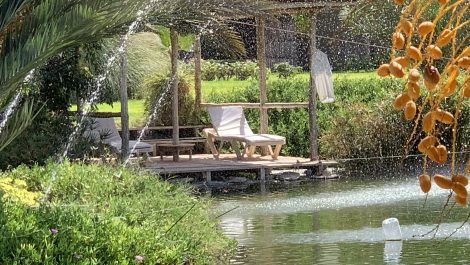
x,y
137,116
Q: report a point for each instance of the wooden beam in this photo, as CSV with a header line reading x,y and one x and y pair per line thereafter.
x,y
174,84
279,105
197,71
293,7
124,108
261,53
97,114
312,106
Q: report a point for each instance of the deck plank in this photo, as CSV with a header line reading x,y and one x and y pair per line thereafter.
x,y
228,162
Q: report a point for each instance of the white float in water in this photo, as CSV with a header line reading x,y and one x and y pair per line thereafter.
x,y
391,228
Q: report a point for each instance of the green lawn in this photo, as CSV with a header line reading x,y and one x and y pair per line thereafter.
x,y
137,116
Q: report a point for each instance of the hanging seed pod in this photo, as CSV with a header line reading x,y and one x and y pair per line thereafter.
x,y
425,183
461,200
414,53
383,70
449,88
398,40
466,88
434,52
396,70
454,71
442,2
425,28
414,75
426,143
403,61
444,38
401,100
460,179
443,116
433,154
464,62
442,153
460,190
429,86
443,182
413,90
428,122
466,51
431,74
406,27
410,110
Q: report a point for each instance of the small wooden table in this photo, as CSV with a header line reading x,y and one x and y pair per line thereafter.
x,y
175,149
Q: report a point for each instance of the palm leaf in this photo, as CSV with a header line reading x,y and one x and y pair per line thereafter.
x,y
17,123
50,27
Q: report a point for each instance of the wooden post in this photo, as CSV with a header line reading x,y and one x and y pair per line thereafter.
x,y
261,53
124,108
174,85
312,99
197,71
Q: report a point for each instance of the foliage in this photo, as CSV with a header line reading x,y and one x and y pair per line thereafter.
x,y
32,32
158,95
146,55
285,70
221,70
17,123
16,190
63,76
44,138
184,42
105,215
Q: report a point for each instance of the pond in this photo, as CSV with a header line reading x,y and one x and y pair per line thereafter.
x,y
340,222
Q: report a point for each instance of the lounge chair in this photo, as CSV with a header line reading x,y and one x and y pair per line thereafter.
x,y
230,125
107,128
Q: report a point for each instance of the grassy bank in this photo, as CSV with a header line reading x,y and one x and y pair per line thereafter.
x,y
94,215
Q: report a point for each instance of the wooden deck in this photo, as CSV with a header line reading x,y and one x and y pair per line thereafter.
x,y
205,164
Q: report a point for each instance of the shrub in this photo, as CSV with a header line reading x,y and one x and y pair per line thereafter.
x,y
157,91
245,70
95,215
285,70
212,70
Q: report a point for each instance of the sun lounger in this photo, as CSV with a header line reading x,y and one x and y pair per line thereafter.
x,y
106,127
230,125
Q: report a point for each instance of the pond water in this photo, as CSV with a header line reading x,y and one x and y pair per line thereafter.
x,y
340,222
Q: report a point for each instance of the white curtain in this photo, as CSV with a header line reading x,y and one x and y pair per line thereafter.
x,y
323,77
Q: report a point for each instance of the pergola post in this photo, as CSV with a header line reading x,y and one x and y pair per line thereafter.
x,y
312,99
174,86
124,108
261,54
197,71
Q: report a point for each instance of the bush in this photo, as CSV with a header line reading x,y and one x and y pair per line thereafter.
x,y
285,70
157,91
94,215
212,70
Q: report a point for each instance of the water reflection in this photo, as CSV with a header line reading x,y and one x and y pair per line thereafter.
x,y
392,252
334,224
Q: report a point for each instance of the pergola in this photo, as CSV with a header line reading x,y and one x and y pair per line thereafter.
x,y
276,7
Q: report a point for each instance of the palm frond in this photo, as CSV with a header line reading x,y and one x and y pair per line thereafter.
x,y
17,123
52,26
